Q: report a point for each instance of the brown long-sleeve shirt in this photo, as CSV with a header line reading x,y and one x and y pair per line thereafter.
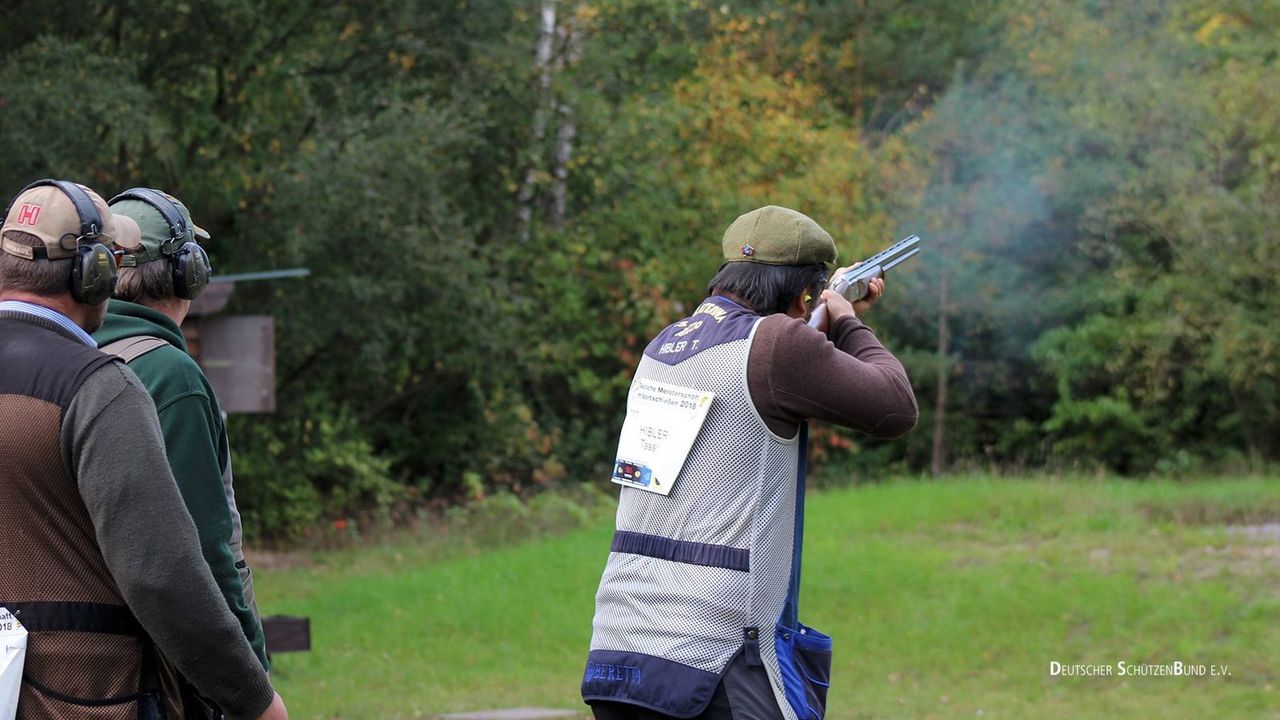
x,y
796,373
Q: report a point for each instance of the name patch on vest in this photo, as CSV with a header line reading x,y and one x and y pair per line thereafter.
x,y
13,641
612,673
662,423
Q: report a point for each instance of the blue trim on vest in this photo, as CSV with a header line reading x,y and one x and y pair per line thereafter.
x,y
718,320
693,553
804,654
791,610
804,658
651,682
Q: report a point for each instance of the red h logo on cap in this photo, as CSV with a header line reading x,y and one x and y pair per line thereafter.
x,y
28,214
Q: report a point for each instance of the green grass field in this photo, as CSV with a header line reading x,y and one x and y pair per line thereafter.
x,y
946,599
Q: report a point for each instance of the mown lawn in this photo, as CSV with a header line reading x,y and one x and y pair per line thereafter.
x,y
946,599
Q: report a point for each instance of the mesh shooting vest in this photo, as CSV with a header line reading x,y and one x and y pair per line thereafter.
x,y
697,577
87,656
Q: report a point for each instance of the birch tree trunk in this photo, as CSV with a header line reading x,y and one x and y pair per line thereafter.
x,y
572,51
545,70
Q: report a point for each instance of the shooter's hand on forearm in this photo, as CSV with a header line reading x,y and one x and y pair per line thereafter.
x,y
864,287
837,307
874,290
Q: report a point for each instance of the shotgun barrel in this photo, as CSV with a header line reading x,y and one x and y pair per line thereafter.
x,y
853,284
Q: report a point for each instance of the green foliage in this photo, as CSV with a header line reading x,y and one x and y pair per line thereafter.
x,y
503,518
71,111
884,61
1176,351
944,598
310,470
493,241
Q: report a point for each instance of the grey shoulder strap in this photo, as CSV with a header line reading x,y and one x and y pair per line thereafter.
x,y
131,348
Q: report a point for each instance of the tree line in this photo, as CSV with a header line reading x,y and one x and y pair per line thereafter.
x,y
501,201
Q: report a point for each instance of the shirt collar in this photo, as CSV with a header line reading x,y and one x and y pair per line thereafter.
x,y
54,316
723,301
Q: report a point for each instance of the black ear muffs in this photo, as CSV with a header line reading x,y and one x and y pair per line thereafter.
x,y
191,270
93,272
188,262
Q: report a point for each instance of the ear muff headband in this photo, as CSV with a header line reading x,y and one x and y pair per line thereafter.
x,y
90,220
189,262
178,230
93,274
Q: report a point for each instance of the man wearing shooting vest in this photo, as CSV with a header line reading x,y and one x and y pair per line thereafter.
x,y
696,609
160,275
101,561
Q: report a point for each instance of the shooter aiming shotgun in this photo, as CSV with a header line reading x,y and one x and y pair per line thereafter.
x,y
718,410
854,283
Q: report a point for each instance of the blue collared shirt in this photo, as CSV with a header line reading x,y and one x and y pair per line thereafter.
x,y
41,311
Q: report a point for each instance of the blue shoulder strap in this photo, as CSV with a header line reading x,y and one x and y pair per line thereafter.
x,y
791,611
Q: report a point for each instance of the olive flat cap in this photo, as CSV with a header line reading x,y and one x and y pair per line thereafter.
x,y
777,236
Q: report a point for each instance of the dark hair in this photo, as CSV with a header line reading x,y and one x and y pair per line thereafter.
x,y
151,280
47,278
768,289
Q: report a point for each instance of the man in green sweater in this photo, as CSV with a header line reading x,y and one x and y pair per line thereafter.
x,y
159,276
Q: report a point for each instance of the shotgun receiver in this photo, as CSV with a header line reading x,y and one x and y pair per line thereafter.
x,y
853,284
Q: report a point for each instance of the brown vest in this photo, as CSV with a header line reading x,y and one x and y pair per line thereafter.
x,y
87,657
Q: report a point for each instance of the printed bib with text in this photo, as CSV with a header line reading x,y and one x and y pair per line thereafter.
x,y
662,422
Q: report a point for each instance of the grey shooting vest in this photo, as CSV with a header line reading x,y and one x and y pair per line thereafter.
x,y
698,576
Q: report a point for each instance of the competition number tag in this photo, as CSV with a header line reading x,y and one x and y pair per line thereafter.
x,y
13,652
662,422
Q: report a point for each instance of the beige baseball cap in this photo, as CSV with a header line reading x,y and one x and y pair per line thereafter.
x,y
48,213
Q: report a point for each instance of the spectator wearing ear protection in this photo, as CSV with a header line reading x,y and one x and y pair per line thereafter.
x,y
101,561
159,277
